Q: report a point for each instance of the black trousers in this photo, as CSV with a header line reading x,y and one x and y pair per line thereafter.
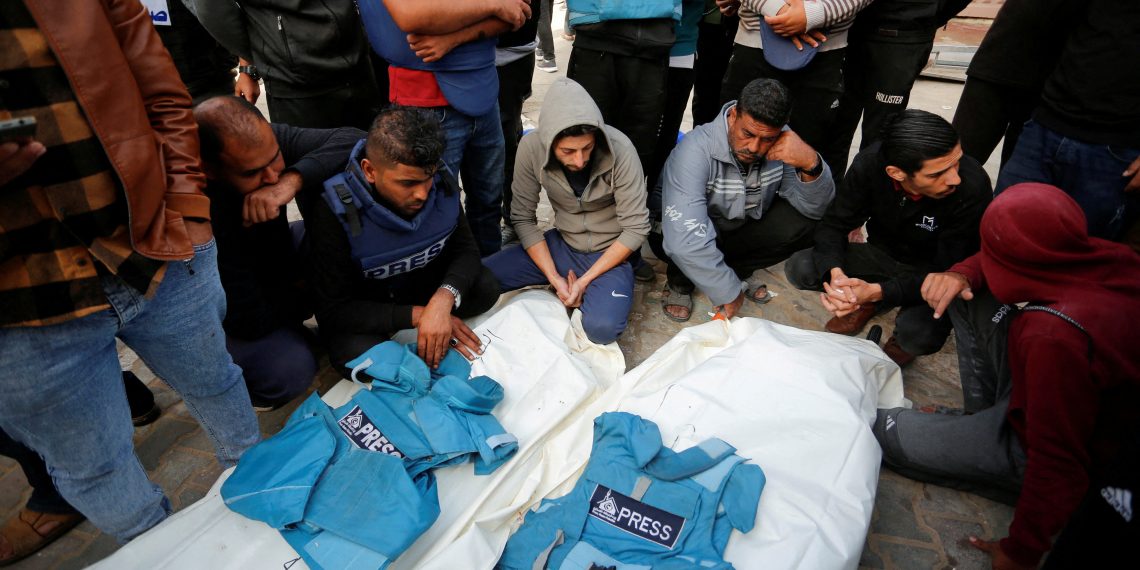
x,y
816,90
878,74
977,453
678,84
514,89
714,48
630,91
916,329
545,35
354,104
988,111
754,245
344,346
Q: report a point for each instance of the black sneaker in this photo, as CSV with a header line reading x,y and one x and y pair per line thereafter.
x,y
144,410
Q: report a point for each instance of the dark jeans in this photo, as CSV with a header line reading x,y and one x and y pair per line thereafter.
x,y
754,245
417,289
475,151
916,329
815,90
514,89
678,84
988,111
1090,173
878,74
714,48
630,91
355,104
978,453
545,35
278,366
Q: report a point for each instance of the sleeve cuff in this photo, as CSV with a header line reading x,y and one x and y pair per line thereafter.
x,y
189,205
401,317
1020,554
816,15
528,234
308,169
631,240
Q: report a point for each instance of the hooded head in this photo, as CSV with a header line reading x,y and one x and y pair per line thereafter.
x,y
571,127
1036,248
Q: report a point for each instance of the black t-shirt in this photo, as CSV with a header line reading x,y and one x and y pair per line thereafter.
x,y
578,180
1093,94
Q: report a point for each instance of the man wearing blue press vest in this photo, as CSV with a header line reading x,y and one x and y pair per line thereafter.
x,y
391,248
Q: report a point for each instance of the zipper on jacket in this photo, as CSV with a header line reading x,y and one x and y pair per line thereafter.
x,y
284,39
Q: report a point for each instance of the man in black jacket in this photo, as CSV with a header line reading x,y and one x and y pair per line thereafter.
x,y
313,57
922,201
391,248
254,169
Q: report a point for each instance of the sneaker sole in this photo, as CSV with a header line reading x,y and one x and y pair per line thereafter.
x,y
548,69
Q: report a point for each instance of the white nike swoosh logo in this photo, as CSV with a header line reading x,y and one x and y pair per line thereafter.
x,y
616,294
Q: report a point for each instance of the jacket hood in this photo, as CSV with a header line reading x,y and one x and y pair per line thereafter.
x,y
567,104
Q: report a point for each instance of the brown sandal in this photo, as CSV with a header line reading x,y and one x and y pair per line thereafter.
x,y
28,532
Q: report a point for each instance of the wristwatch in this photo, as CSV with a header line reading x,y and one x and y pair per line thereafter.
x,y
454,292
250,70
815,170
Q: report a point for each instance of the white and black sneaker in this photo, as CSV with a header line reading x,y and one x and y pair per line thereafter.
x,y
547,65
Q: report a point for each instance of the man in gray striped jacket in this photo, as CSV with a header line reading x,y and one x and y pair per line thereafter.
x,y
738,194
815,25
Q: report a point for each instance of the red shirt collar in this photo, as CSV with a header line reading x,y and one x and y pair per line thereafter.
x,y
909,196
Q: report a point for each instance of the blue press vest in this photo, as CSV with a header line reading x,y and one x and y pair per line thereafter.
x,y
639,505
352,487
594,11
472,94
382,242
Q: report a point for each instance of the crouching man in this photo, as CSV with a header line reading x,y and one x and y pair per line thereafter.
x,y
391,248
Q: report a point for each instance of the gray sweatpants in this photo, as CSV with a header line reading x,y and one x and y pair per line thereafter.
x,y
978,452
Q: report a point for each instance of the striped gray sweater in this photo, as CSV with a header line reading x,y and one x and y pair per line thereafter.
x,y
832,17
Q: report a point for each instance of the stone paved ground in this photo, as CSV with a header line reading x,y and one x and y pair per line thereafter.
x,y
913,525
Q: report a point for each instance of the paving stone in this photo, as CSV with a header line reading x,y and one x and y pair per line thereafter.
x,y
206,477
894,512
906,557
869,559
198,441
67,545
954,535
189,496
103,546
943,500
995,517
176,468
166,431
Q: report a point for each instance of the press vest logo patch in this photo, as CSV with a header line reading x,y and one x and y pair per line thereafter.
x,y
364,434
414,261
636,518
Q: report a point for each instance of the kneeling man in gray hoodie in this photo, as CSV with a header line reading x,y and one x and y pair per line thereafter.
x,y
593,179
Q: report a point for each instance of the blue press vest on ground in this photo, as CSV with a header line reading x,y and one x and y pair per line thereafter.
x,y
594,11
639,505
385,244
352,487
466,75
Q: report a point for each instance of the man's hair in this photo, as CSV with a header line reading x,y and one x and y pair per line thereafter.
x,y
913,137
406,135
767,101
226,119
575,131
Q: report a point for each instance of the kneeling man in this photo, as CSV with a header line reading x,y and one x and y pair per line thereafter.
x,y
594,182
739,194
391,248
922,201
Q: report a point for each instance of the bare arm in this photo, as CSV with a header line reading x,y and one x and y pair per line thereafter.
x,y
433,47
438,18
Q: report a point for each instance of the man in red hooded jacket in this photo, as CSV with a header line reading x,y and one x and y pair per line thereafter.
x,y
1050,390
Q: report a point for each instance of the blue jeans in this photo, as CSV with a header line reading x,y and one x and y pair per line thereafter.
x,y
607,300
476,151
61,390
1090,173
